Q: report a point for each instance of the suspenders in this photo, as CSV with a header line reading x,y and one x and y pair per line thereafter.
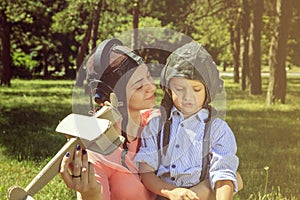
x,y
206,155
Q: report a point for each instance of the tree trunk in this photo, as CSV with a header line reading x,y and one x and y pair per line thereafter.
x,y
45,67
237,47
5,51
245,38
92,29
81,53
96,24
135,23
255,49
235,50
277,53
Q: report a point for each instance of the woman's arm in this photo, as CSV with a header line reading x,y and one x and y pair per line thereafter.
x,y
82,177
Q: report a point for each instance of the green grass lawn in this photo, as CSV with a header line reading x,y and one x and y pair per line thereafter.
x,y
29,114
268,137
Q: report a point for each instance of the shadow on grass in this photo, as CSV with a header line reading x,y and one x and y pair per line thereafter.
x,y
29,133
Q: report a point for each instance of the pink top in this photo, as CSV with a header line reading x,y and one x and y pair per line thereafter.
x,y
117,182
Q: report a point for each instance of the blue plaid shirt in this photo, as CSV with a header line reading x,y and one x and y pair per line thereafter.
x,y
183,159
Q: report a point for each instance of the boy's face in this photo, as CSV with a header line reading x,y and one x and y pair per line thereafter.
x,y
188,95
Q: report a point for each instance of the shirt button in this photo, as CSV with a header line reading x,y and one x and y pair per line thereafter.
x,y
177,145
173,166
173,178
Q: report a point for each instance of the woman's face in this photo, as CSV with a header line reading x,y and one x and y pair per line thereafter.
x,y
188,95
140,90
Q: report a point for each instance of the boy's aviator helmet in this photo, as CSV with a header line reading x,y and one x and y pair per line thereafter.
x,y
192,61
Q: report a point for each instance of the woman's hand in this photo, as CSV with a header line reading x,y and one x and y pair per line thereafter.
x,y
180,194
79,175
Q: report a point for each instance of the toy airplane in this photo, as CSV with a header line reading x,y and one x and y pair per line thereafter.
x,y
95,133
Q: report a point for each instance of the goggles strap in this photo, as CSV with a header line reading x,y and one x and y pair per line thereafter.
x,y
132,55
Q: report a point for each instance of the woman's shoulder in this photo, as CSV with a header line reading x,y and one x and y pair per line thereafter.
x,y
149,114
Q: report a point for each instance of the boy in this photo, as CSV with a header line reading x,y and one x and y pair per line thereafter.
x,y
171,159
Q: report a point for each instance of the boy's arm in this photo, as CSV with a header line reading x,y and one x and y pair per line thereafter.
x,y
204,191
224,190
159,187
224,162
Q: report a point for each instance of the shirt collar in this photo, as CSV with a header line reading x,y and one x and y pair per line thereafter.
x,y
201,115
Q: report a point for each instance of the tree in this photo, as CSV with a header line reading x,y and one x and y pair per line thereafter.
x,y
82,50
255,48
29,37
54,35
235,17
5,31
91,32
96,22
245,38
294,39
277,55
135,23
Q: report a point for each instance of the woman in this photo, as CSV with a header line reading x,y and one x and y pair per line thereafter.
x,y
115,69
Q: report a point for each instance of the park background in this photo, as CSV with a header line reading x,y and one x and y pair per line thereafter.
x,y
256,45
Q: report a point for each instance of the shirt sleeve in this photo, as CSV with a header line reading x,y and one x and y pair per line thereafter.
x,y
224,162
148,152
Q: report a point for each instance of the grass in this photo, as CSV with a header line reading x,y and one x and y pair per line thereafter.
x,y
29,113
267,137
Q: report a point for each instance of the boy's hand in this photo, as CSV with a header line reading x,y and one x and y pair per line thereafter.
x,y
180,194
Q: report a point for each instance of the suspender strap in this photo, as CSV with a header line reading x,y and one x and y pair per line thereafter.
x,y
158,144
123,158
206,156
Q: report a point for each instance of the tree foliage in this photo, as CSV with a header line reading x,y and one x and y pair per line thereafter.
x,y
51,38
